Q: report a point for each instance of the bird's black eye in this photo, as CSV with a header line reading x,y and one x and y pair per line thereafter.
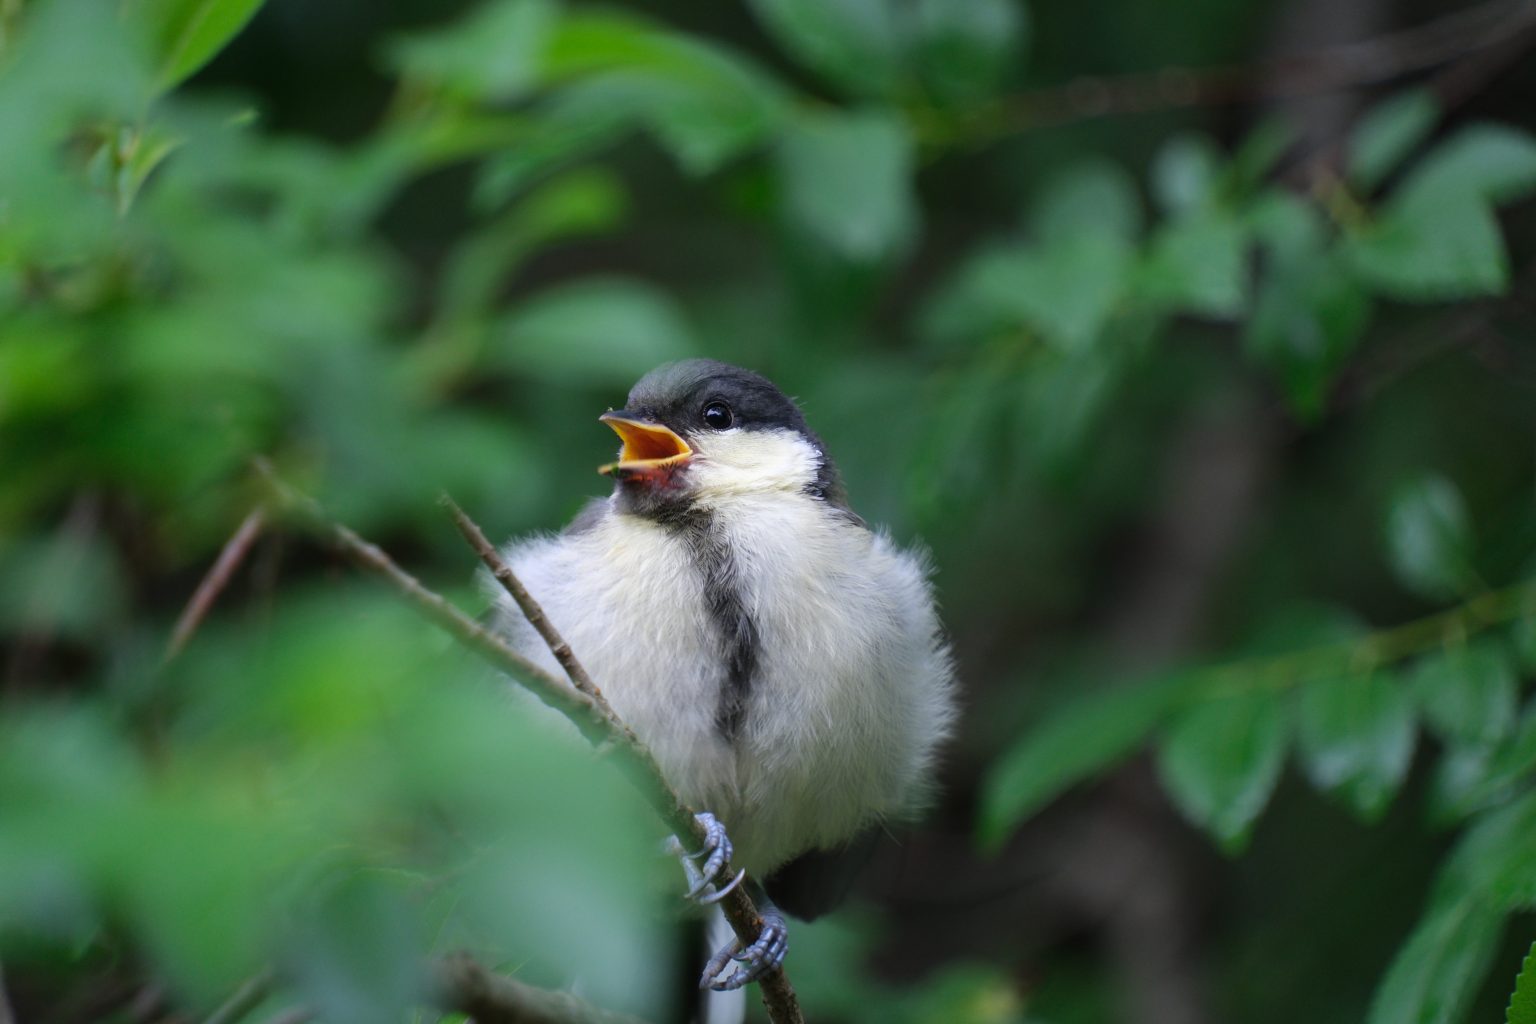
x,y
717,416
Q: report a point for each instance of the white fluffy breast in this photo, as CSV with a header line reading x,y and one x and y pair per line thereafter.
x,y
852,691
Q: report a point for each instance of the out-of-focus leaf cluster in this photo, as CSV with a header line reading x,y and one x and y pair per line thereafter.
x,y
183,289
338,795
1351,704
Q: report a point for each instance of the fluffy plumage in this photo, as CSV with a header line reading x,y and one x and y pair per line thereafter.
x,y
783,662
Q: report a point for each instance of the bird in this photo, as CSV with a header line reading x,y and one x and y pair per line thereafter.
x,y
784,663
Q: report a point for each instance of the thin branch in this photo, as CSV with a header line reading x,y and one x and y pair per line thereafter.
x,y
1383,647
297,1015
599,729
547,687
489,998
1331,69
245,999
530,608
213,584
738,907
460,983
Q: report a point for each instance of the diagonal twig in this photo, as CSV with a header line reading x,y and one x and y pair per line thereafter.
x,y
530,608
738,907
598,728
244,999
233,553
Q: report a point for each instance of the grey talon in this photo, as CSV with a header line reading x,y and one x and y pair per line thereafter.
x,y
717,849
717,963
760,958
720,894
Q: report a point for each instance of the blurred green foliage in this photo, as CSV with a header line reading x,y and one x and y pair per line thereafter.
x,y
999,338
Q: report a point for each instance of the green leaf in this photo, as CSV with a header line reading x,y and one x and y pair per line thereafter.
x,y
1468,693
1522,634
1089,196
1387,133
1220,761
605,74
1437,238
597,329
1355,735
961,50
1492,860
1429,538
1436,973
188,33
1198,264
1080,739
585,202
704,102
846,181
495,52
70,585
1309,314
1185,172
1260,151
1490,162
1472,778
1066,291
856,44
357,956
1427,249
1522,1002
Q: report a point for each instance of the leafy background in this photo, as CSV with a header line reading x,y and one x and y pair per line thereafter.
x,y
1211,394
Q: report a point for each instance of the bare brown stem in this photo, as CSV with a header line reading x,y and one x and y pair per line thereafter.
x,y
530,608
598,728
214,583
489,998
740,911
1332,69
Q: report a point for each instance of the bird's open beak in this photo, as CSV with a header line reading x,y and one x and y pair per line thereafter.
x,y
648,447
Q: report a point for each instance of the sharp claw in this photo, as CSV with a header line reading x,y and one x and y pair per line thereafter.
x,y
717,848
762,957
720,894
717,963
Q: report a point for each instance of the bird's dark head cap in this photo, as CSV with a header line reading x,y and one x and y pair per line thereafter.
x,y
678,394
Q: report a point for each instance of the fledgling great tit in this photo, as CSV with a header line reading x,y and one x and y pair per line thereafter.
x,y
783,662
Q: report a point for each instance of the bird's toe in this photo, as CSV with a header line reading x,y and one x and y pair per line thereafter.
x,y
760,958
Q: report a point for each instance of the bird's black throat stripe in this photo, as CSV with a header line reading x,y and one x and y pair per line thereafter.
x,y
711,557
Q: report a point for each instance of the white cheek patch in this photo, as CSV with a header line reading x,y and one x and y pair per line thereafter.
x,y
736,461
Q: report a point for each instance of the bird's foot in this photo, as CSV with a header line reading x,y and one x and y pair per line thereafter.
x,y
760,958
703,880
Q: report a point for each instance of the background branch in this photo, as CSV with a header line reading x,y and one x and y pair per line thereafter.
x,y
245,998
233,553
467,986
1498,24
